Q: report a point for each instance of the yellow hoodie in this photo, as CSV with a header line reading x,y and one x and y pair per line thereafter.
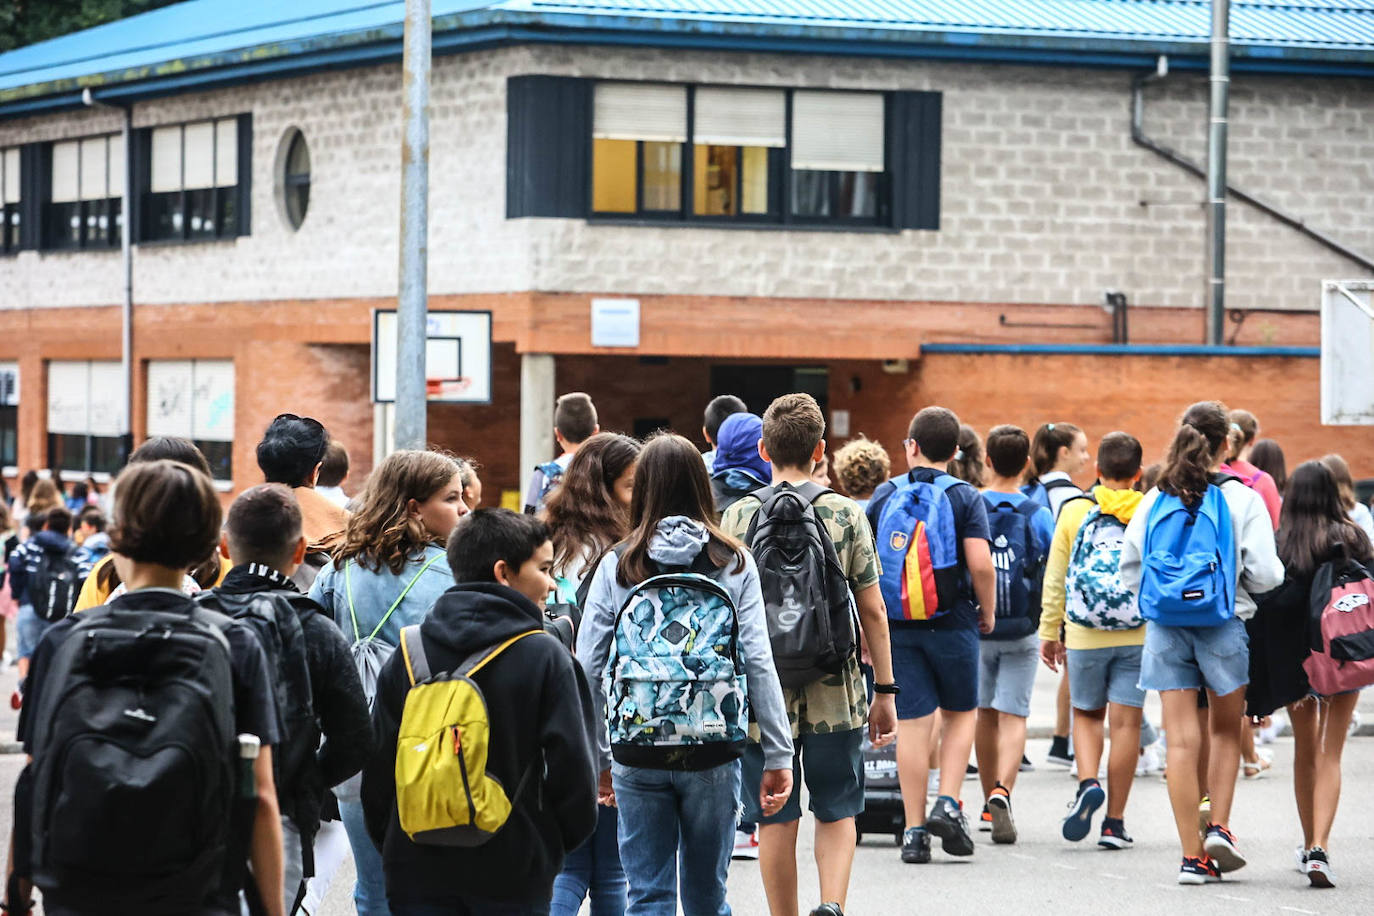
x,y
1122,504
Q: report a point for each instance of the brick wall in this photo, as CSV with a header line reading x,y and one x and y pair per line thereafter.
x,y
1143,395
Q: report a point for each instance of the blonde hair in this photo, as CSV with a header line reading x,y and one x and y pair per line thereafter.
x,y
861,466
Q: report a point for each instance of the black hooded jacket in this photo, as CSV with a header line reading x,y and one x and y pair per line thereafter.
x,y
538,702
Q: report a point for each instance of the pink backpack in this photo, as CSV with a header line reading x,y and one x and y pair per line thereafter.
x,y
1342,656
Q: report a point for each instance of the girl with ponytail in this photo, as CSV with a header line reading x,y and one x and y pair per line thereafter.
x,y
1179,660
1058,451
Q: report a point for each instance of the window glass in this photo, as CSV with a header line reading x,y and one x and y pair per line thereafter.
x,y
87,181
662,176
193,180
9,436
754,195
811,193
10,190
613,176
296,180
717,181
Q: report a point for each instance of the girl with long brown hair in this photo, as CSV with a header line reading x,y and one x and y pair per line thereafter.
x,y
669,816
386,573
1314,529
1178,660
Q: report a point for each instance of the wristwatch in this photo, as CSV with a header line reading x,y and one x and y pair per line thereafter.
x,y
890,689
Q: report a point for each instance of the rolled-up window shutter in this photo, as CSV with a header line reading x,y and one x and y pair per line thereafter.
x,y
68,397
116,166
212,400
169,397
199,152
740,117
166,168
10,192
66,175
640,111
93,163
107,399
838,131
226,153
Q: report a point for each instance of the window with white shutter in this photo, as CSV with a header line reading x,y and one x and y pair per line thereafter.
x,y
87,425
196,188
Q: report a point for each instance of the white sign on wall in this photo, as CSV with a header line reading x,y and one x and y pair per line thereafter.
x,y
1347,369
615,322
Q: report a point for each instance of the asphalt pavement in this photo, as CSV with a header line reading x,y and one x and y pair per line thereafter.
x,y
1042,873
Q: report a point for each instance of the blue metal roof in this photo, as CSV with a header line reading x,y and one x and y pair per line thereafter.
x,y
213,42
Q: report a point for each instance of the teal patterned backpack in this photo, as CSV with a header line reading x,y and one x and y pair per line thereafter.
x,y
675,687
1094,595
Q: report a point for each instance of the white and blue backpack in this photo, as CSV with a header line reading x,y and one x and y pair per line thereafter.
x,y
1093,594
676,697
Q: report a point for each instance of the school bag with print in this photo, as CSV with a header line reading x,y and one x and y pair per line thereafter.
x,y
1019,564
676,697
1093,593
547,477
1342,628
55,582
1188,574
806,596
917,548
444,794
133,764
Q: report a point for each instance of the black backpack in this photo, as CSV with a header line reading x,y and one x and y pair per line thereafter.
x,y
55,583
134,750
811,614
273,616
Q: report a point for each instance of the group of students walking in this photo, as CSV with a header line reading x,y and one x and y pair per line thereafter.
x,y
613,693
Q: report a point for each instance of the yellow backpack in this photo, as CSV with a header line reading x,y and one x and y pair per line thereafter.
x,y
444,794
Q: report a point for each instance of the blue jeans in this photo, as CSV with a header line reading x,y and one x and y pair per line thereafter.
x,y
671,819
594,866
470,906
369,893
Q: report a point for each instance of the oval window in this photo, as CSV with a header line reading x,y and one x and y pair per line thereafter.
x,y
296,180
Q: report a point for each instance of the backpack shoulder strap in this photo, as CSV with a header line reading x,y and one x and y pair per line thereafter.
x,y
413,653
399,598
946,482
479,660
1027,509
811,491
763,496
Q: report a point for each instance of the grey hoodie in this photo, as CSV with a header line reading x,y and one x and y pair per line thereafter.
x,y
677,542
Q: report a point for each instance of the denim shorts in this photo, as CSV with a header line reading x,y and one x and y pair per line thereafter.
x,y
1186,658
1101,676
936,669
1006,674
30,628
831,765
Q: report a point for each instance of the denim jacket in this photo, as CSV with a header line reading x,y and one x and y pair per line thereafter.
x,y
374,592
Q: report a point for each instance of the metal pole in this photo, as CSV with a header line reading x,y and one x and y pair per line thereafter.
x,y
1220,84
412,306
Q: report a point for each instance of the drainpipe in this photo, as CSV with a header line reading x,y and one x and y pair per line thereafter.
x,y
1139,137
1220,84
126,329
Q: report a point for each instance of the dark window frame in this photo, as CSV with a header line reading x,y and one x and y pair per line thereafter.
x,y
228,204
296,182
11,213
780,179
57,217
9,435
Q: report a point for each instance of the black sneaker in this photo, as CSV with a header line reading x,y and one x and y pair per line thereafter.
x,y
1114,835
916,846
1060,755
1198,871
1026,765
1221,845
970,771
1079,820
947,821
1318,868
1003,826
828,909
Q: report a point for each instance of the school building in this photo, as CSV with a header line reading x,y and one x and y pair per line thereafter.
x,y
886,203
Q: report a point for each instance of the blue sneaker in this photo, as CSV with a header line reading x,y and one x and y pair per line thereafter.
x,y
1079,820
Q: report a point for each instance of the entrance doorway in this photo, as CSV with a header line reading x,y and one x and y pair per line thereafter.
x,y
757,386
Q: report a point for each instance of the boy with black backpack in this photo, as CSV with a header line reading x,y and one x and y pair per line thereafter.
x,y
484,775
1021,531
150,726
940,588
1090,622
317,690
46,573
817,567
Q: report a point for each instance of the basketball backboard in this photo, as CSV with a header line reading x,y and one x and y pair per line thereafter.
x,y
457,357
1347,352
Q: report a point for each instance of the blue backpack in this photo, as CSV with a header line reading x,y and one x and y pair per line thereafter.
x,y
1189,572
1019,562
918,548
676,696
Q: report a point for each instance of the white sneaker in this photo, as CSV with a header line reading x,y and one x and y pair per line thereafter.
x,y
1354,723
746,845
1151,761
